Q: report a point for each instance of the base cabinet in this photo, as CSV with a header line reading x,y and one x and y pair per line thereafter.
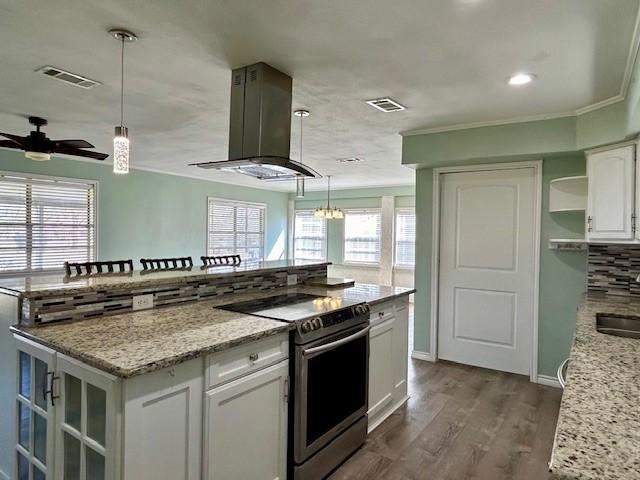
x,y
388,359
76,422
162,423
246,427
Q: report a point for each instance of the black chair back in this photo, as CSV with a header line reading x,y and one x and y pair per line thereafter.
x,y
166,263
97,268
221,260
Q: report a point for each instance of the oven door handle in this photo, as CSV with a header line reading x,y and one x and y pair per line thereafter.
x,y
337,343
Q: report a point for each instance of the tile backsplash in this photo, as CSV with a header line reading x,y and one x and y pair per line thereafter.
x,y
612,269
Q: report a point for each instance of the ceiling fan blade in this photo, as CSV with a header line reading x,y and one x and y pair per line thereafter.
x,y
72,144
9,144
20,141
81,153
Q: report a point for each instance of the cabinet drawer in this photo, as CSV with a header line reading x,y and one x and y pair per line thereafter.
x,y
381,313
225,366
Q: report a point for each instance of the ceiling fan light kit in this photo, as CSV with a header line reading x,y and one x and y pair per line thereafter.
x,y
37,146
121,133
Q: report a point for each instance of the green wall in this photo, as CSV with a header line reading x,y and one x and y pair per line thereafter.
x,y
352,198
147,214
562,274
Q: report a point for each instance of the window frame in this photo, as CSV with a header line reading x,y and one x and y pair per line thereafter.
x,y
58,179
326,234
235,203
395,230
353,263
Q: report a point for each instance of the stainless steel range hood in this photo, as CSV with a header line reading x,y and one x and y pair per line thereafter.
x,y
260,126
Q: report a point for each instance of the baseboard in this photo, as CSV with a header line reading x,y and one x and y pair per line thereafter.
x,y
426,356
549,381
372,426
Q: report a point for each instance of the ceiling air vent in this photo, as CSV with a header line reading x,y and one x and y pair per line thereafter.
x,y
67,77
386,105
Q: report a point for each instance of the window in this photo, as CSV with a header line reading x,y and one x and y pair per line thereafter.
x,y
362,236
309,236
405,238
236,228
45,222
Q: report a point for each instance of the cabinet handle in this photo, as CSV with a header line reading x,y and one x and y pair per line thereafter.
x,y
50,380
381,314
589,222
286,390
253,357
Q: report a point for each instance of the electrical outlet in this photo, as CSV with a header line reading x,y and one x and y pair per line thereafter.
x,y
292,279
142,302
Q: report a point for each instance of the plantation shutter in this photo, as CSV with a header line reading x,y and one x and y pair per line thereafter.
x,y
310,235
362,236
405,235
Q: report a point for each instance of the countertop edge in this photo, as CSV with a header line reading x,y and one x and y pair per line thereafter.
x,y
154,366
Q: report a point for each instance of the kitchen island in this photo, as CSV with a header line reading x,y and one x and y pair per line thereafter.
x,y
148,369
598,432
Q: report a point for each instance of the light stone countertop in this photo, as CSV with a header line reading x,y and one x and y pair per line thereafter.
x,y
598,432
134,343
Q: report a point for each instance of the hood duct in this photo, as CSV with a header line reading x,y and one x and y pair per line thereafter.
x,y
260,126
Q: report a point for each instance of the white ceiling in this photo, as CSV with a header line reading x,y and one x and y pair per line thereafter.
x,y
446,60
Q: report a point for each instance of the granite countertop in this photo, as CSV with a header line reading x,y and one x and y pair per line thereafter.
x,y
598,432
134,343
50,285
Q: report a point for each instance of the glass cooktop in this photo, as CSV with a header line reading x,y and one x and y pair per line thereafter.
x,y
290,307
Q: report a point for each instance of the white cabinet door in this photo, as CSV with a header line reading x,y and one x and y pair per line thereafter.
x,y
163,423
35,412
246,427
381,369
400,352
610,202
87,414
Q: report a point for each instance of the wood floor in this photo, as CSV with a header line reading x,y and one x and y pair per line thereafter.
x,y
461,422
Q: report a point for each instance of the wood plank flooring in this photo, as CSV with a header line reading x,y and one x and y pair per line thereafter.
x,y
461,422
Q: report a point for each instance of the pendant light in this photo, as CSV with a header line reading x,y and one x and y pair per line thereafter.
x,y
328,212
300,180
121,134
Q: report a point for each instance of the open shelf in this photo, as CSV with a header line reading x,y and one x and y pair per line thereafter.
x,y
568,194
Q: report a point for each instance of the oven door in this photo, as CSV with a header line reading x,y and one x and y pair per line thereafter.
x,y
332,388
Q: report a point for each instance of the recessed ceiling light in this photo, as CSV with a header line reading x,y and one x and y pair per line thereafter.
x,y
521,78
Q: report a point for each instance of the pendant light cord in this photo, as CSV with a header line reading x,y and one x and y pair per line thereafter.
x,y
122,83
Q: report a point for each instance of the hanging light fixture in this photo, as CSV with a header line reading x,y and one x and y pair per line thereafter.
x,y
121,134
328,212
300,180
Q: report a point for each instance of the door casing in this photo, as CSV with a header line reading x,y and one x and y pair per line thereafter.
x,y
435,252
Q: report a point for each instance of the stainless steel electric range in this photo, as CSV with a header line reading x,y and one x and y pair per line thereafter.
x,y
330,377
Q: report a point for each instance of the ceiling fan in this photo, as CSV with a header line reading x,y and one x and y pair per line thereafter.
x,y
38,146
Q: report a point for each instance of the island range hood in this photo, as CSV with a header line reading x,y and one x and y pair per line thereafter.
x,y
260,126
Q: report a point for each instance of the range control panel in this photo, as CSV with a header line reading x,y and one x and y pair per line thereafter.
x,y
333,318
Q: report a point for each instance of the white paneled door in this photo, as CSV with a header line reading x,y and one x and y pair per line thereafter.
x,y
487,268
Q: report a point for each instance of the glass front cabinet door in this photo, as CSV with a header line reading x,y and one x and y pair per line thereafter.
x,y
66,417
35,413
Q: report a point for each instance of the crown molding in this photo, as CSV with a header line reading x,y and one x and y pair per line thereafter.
x,y
624,90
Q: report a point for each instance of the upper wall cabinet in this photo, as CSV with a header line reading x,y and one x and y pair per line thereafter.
x,y
611,193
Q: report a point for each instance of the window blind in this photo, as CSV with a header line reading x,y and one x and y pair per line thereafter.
x,y
45,222
309,236
405,238
362,236
236,228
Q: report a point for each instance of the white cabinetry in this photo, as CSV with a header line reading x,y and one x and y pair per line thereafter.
x,y
163,423
79,423
388,353
611,210
66,413
246,426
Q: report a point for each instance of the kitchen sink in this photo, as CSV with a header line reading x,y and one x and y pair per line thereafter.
x,y
618,325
